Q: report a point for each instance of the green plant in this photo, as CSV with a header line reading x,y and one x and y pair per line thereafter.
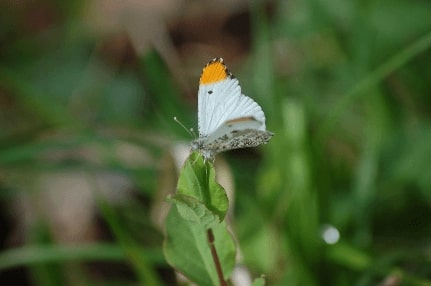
x,y
197,242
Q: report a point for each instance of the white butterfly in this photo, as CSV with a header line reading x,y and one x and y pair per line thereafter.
x,y
227,119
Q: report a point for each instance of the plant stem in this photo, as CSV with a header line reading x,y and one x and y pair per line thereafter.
x,y
210,236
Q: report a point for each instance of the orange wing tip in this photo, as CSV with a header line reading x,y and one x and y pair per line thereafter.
x,y
214,71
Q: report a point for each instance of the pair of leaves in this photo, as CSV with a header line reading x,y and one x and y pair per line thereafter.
x,y
199,197
200,204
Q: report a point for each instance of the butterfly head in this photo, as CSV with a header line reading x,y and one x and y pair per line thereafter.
x,y
199,145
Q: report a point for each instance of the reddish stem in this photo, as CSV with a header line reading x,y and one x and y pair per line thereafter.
x,y
214,254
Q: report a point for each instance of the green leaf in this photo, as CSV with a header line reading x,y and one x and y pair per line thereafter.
x,y
195,211
197,180
187,249
201,204
259,281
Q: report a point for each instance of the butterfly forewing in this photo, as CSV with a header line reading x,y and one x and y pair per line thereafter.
x,y
222,101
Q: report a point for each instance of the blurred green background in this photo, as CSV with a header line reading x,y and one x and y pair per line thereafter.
x,y
340,196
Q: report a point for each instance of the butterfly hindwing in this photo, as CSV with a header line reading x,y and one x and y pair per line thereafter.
x,y
238,133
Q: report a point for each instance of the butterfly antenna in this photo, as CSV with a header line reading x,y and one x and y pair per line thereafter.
x,y
190,131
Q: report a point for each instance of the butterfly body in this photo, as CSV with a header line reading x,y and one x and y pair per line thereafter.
x,y
227,119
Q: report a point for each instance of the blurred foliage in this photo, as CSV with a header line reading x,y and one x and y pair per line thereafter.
x,y
345,86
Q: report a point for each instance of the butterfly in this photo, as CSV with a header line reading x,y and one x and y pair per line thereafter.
x,y
227,119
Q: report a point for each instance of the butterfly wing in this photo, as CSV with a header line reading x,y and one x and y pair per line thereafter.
x,y
233,134
238,133
220,100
